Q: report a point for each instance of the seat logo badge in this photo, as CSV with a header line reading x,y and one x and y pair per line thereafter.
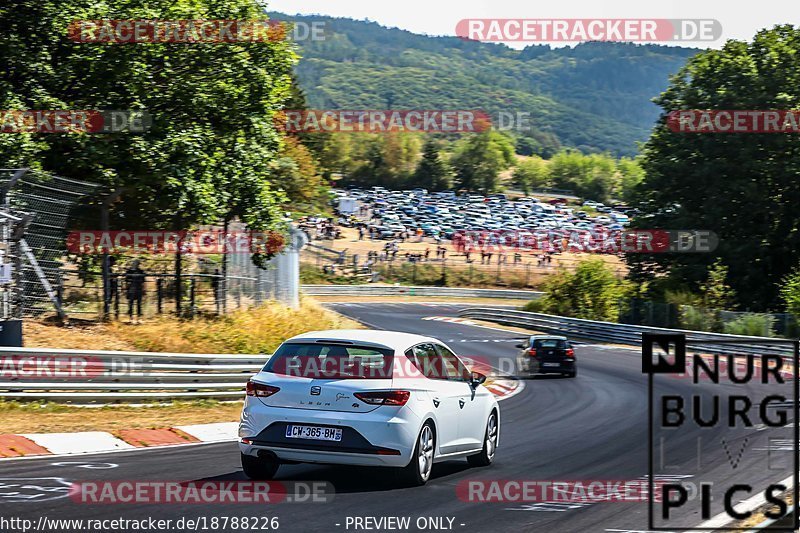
x,y
315,391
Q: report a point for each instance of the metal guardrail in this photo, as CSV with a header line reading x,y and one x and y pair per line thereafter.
x,y
93,376
625,333
392,290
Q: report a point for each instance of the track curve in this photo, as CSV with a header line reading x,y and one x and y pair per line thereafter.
x,y
591,427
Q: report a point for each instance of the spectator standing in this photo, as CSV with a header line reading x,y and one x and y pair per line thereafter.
x,y
134,288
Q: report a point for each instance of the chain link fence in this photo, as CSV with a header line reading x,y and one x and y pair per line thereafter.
x,y
36,209
146,284
41,275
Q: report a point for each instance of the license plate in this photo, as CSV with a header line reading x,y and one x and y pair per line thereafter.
x,y
551,364
314,433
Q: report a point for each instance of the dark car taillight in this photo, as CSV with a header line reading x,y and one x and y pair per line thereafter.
x,y
570,352
389,397
532,352
259,389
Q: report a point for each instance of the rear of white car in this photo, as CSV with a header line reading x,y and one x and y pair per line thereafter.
x,y
323,398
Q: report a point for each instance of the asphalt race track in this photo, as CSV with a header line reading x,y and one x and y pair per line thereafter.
x,y
593,427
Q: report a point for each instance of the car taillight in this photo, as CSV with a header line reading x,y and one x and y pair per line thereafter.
x,y
393,397
259,389
532,352
570,352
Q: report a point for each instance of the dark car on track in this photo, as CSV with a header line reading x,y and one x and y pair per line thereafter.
x,y
547,354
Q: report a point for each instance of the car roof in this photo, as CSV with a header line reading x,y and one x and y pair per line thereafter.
x,y
557,337
396,340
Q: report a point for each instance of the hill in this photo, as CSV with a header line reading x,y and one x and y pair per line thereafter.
x,y
594,96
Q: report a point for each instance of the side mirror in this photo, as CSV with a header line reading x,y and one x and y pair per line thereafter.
x,y
521,346
476,378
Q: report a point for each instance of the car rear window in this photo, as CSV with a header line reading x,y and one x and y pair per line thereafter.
x,y
550,343
319,360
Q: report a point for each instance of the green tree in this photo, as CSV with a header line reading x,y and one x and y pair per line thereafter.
x,y
631,175
591,292
207,153
530,174
790,292
336,156
743,187
297,174
717,294
590,176
384,159
480,158
432,171
374,170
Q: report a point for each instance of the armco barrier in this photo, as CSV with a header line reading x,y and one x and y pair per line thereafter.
x,y
624,333
92,376
102,377
402,290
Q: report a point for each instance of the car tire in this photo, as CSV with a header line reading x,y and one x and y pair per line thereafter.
x,y
572,374
486,456
258,468
418,470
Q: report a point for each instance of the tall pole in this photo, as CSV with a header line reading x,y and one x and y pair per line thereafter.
x,y
179,266
223,283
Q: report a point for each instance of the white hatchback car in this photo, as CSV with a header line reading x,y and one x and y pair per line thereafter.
x,y
370,398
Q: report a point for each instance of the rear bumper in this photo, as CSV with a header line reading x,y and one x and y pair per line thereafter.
x,y
533,367
383,437
327,457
